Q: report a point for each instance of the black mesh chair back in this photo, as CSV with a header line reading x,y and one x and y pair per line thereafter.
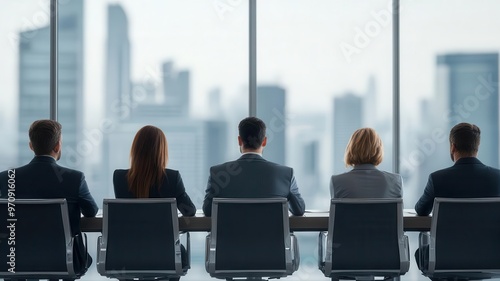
x,y
140,239
465,238
366,238
35,239
250,238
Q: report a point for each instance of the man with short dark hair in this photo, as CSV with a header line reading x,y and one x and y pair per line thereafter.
x,y
42,178
467,178
251,176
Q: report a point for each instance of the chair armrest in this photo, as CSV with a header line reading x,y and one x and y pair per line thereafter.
x,y
86,249
188,246
295,252
322,239
424,240
405,257
101,252
207,252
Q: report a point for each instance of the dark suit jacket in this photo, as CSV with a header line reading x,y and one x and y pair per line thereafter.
x,y
42,178
172,187
251,176
468,178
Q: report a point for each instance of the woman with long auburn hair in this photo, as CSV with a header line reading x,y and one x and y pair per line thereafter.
x,y
148,176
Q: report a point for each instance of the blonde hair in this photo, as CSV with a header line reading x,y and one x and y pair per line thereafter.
x,y
364,147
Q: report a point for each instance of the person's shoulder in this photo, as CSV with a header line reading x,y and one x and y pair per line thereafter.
x,y
278,166
69,171
172,173
224,165
120,172
493,170
391,175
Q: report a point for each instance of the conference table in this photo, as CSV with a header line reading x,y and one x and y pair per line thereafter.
x,y
311,221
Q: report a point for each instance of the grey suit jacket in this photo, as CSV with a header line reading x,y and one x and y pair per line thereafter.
x,y
251,176
366,181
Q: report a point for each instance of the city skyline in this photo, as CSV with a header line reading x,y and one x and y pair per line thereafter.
x,y
292,98
184,68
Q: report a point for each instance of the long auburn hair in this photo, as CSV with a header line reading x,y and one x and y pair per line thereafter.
x,y
148,160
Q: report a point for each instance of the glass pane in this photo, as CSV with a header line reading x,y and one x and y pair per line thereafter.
x,y
24,76
324,70
179,65
449,74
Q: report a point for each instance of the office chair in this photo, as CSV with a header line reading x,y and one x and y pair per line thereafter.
x,y
251,239
464,241
140,239
36,241
365,240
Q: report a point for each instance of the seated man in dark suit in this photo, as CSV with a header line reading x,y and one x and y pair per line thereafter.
x,y
251,176
42,178
467,178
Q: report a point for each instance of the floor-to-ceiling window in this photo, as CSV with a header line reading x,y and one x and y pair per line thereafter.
x,y
179,65
24,76
449,74
324,69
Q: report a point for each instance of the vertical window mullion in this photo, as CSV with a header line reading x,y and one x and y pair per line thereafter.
x,y
395,83
252,58
53,58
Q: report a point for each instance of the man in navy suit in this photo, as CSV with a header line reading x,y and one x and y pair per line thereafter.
x,y
251,176
467,178
42,178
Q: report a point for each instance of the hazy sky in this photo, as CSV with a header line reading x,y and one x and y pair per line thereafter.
x,y
299,46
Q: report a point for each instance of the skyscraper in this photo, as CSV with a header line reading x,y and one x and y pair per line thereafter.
x,y
118,95
347,118
271,109
466,91
118,85
469,84
34,65
176,88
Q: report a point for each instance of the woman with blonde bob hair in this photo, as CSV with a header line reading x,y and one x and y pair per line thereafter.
x,y
148,176
364,153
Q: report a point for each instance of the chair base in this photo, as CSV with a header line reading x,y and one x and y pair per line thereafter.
x,y
366,278
249,278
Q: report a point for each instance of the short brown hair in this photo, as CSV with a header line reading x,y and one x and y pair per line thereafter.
x,y
364,147
44,136
466,138
252,131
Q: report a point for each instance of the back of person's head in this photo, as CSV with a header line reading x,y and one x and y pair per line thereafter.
x,y
252,132
364,147
148,159
466,138
44,136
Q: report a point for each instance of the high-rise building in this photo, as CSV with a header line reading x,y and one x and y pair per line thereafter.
x,y
118,83
34,81
176,88
469,84
347,118
370,109
271,109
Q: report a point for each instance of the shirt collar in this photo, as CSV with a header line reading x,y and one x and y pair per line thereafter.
x,y
255,153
